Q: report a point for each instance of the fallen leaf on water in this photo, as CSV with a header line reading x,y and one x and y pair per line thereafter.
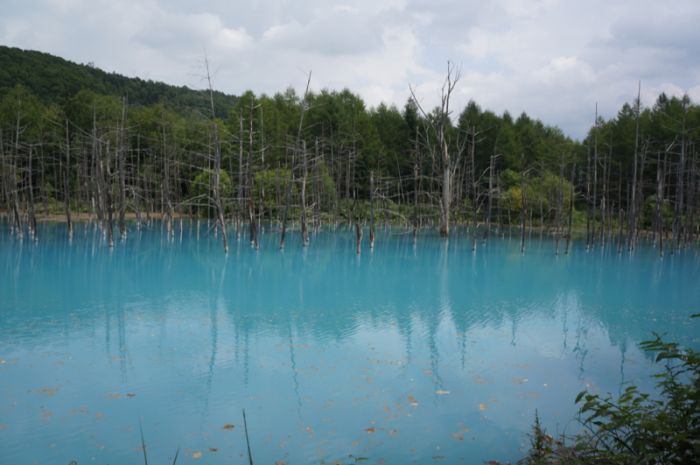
x,y
458,436
412,400
197,455
479,380
213,449
438,457
130,394
228,426
99,416
482,407
519,380
114,395
49,391
442,392
371,429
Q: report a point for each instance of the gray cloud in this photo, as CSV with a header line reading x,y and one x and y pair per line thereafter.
x,y
551,58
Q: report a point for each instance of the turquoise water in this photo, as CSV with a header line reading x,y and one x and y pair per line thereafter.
x,y
424,353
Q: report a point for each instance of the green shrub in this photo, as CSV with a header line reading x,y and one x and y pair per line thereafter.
x,y
635,428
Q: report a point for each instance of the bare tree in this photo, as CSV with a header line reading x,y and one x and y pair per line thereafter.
x,y
217,162
440,123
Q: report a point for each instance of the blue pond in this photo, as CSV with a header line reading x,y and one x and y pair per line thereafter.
x,y
425,353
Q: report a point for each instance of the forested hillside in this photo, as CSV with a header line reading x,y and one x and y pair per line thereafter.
x,y
55,80
74,138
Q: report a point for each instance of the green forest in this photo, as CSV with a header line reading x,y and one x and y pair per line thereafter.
x,y
77,142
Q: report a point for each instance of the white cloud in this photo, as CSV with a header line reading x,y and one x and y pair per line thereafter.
x,y
551,58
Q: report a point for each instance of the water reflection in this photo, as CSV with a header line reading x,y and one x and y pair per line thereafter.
x,y
405,353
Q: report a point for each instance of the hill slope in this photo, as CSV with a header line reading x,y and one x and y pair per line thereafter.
x,y
52,78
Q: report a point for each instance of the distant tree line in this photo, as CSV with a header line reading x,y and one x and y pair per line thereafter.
x,y
77,141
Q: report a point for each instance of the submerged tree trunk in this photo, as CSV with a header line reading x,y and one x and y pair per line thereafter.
x,y
571,209
66,185
305,172
632,233
30,185
490,199
371,210
121,154
445,201
560,204
522,207
217,163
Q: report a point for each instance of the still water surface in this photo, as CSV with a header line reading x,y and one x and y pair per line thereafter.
x,y
424,353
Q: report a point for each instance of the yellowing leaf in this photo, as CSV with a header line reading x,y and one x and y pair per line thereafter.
x,y
371,429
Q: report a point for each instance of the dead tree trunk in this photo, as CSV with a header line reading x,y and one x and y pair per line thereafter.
x,y
241,194
571,209
252,217
560,204
522,204
66,185
121,154
632,233
659,195
296,147
30,186
371,210
448,161
492,160
217,163
595,175
15,191
304,175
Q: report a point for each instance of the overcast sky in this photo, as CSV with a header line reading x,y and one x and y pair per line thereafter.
x,y
552,59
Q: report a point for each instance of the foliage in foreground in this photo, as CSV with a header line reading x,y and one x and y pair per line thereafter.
x,y
635,428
